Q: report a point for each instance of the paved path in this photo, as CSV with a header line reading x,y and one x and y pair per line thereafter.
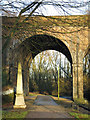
x,y
45,107
44,100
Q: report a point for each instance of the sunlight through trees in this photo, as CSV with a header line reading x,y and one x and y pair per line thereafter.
x,y
44,73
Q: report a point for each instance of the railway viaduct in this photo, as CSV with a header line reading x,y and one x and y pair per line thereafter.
x,y
24,38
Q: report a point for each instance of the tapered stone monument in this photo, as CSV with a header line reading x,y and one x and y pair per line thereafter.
x,y
19,101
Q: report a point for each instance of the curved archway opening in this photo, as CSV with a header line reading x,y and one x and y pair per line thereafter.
x,y
44,74
86,74
38,43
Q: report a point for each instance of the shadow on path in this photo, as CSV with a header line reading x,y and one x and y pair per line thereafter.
x,y
46,107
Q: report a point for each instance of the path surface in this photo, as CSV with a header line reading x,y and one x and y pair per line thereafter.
x,y
46,107
44,100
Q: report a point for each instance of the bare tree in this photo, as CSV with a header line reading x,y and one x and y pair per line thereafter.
x,y
21,8
29,8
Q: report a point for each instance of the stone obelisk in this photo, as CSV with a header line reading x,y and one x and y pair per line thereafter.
x,y
19,101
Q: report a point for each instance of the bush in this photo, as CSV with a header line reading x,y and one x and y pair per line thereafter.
x,y
7,98
82,102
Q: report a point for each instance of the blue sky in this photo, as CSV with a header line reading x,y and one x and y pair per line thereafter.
x,y
55,10
47,10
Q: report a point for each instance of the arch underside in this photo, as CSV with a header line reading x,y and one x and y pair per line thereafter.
x,y
39,43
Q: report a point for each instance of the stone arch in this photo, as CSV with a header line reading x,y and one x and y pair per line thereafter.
x,y
32,46
41,42
38,43
87,51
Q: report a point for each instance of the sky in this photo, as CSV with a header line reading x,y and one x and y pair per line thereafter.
x,y
47,10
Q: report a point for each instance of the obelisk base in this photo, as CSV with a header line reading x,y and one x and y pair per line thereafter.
x,y
19,102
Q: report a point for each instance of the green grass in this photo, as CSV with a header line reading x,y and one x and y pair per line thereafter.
x,y
0,114
80,116
14,114
32,94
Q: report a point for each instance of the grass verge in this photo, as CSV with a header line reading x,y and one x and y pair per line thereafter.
x,y
80,116
82,102
63,101
13,114
32,94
